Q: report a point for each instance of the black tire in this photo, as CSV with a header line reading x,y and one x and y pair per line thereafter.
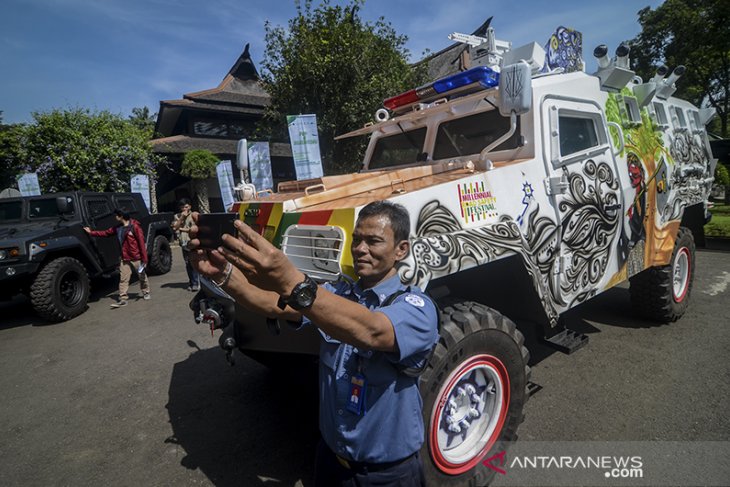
x,y
60,291
161,257
655,294
481,348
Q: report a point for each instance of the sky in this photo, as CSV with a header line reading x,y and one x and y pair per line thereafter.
x,y
119,54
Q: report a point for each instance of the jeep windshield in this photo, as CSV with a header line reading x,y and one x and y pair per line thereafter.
x,y
42,208
469,135
10,211
398,149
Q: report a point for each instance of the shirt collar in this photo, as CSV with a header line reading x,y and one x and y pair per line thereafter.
x,y
381,290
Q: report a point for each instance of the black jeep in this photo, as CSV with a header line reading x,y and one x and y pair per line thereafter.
x,y
46,255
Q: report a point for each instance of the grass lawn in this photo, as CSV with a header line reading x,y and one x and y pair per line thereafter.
x,y
720,224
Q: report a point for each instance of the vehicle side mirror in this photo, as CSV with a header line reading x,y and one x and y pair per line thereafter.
x,y
515,89
62,204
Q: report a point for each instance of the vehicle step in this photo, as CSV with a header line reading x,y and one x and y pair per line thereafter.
x,y
567,341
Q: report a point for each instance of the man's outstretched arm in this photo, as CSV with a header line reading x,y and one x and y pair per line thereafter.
x,y
261,273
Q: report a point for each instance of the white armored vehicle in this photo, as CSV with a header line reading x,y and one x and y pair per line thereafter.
x,y
531,189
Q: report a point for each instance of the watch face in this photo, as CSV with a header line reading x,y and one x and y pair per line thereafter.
x,y
304,294
306,298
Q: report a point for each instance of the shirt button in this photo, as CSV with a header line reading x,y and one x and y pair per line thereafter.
x,y
339,411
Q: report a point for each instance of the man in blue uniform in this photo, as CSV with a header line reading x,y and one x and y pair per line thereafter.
x,y
372,331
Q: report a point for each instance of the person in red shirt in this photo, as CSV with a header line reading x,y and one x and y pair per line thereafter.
x,y
134,254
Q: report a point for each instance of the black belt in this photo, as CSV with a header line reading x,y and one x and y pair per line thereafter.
x,y
371,467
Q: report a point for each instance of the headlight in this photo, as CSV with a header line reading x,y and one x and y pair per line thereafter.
x,y
315,250
9,253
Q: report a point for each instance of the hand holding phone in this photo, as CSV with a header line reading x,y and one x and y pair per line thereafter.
x,y
212,226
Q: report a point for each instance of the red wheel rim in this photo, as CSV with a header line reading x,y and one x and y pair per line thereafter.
x,y
455,452
681,268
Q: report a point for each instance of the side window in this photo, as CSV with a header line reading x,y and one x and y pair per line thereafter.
x,y
697,125
660,115
469,135
681,121
576,130
577,134
98,208
632,109
127,204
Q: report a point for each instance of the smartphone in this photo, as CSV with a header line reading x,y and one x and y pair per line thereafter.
x,y
212,226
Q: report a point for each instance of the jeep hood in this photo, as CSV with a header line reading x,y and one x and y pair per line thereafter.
x,y
25,231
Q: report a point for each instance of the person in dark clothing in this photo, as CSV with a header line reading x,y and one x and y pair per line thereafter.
x,y
134,254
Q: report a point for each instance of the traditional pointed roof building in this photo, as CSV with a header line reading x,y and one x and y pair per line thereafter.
x,y
215,120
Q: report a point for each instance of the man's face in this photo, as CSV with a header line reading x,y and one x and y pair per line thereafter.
x,y
185,208
375,251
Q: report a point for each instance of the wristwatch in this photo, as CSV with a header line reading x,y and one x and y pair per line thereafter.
x,y
302,296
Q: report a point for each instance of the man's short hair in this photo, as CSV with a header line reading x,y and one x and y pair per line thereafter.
x,y
122,213
183,202
400,221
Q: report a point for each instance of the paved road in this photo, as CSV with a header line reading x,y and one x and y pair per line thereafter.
x,y
141,396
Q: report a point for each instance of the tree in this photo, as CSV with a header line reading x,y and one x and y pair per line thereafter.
x,y
143,119
722,178
331,63
200,165
77,149
693,33
10,136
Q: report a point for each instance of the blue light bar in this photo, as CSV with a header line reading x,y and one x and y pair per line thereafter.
x,y
481,74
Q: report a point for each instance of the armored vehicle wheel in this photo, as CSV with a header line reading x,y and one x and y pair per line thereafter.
x,y
662,293
60,290
161,258
474,390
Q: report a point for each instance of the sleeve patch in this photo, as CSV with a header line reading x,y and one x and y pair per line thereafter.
x,y
414,300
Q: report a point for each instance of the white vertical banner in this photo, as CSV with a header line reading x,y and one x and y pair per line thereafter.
x,y
28,184
224,170
259,165
140,183
242,159
305,146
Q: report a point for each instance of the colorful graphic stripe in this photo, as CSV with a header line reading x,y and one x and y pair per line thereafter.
x,y
270,220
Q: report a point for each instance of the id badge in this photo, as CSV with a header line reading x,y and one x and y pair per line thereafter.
x,y
356,401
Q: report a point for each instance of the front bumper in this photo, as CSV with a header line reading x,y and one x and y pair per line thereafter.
x,y
253,332
10,271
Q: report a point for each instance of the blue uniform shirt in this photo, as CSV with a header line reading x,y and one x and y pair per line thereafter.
x,y
391,426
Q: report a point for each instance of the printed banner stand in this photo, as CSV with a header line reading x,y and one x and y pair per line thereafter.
x,y
305,146
259,165
28,184
141,184
224,170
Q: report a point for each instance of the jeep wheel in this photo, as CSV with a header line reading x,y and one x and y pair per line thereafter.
x,y
60,290
161,258
474,390
662,293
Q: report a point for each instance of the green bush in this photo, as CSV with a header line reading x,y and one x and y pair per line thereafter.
x,y
722,175
199,164
77,149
